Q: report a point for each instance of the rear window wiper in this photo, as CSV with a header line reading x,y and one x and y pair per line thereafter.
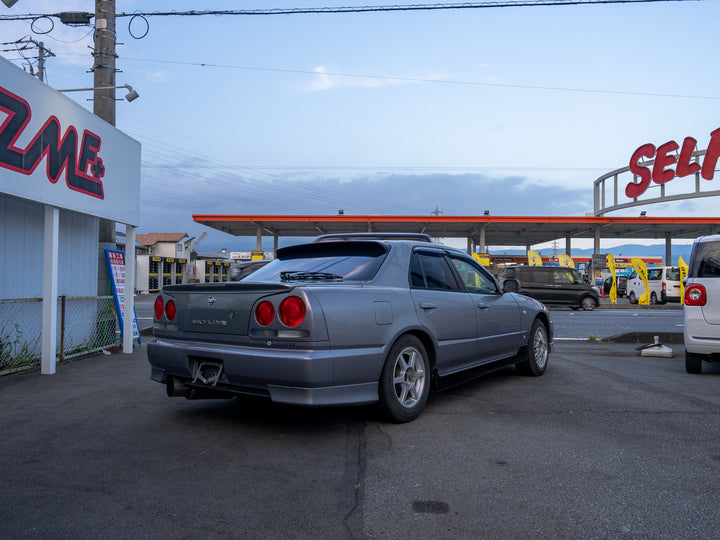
x,y
303,275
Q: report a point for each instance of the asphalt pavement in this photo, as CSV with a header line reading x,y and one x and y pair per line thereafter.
x,y
607,444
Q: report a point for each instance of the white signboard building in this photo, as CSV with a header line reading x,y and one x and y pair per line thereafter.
x,y
61,170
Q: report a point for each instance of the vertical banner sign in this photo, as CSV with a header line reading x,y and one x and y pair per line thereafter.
x,y
534,258
566,260
482,258
116,270
613,283
683,267
641,269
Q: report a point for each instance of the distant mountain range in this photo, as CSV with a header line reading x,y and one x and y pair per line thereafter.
x,y
625,250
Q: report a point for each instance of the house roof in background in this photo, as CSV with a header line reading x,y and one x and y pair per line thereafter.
x,y
150,239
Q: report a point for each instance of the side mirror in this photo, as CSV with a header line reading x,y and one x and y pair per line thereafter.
x,y
511,285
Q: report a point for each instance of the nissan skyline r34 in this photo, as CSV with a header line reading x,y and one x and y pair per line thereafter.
x,y
347,320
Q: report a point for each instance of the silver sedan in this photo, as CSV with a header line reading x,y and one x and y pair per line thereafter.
x,y
351,319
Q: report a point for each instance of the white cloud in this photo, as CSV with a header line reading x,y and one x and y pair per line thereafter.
x,y
333,80
158,76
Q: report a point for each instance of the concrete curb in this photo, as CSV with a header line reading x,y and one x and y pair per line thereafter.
x,y
608,305
645,338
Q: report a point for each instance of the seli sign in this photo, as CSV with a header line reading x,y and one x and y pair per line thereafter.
x,y
662,169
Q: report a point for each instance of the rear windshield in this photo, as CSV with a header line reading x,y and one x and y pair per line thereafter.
x,y
705,260
352,261
672,274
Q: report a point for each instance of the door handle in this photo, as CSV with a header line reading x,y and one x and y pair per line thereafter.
x,y
427,305
483,306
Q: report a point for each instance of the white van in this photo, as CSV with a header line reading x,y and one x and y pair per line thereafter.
x,y
702,304
664,282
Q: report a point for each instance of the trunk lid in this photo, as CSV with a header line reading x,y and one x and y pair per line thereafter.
x,y
218,308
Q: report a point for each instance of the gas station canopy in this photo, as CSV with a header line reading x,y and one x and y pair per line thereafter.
x,y
494,230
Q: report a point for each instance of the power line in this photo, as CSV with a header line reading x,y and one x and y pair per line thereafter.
x,y
356,9
25,44
423,80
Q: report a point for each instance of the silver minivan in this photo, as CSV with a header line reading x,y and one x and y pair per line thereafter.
x,y
702,304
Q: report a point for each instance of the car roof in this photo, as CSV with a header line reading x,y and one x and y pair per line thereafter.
x,y
709,238
336,237
539,267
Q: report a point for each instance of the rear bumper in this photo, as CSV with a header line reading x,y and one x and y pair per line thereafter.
x,y
302,377
700,337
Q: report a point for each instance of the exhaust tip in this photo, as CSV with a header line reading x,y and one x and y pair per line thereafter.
x,y
176,388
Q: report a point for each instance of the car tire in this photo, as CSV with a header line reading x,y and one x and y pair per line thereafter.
x,y
405,381
535,359
693,362
588,303
653,298
633,299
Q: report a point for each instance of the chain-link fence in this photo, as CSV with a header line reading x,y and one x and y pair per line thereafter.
x,y
86,324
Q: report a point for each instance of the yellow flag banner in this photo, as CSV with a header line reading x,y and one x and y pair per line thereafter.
x,y
482,258
683,267
534,258
613,284
641,270
566,260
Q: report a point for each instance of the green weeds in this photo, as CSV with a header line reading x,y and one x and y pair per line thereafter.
x,y
15,352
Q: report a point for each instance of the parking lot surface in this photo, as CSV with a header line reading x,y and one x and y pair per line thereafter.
x,y
607,444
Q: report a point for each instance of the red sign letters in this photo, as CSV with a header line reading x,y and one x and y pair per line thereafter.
x,y
63,153
662,170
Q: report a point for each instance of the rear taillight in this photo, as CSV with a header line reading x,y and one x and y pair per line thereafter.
x,y
170,310
265,313
292,311
158,308
664,287
695,295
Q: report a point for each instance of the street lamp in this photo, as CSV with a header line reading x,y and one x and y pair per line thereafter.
x,y
132,94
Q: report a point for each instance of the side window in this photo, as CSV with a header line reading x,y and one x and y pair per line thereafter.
x,y
473,278
539,275
705,260
562,276
576,277
655,273
417,278
710,264
526,275
430,270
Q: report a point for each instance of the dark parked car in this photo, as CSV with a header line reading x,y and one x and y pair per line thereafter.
x,y
347,321
555,285
621,283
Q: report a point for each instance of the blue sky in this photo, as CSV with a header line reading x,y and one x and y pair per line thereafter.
x,y
516,110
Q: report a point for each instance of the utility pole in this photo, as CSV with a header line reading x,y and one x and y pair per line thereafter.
x,y
26,44
104,60
104,107
41,60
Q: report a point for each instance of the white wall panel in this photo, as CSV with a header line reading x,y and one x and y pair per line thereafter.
x,y
21,250
78,272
